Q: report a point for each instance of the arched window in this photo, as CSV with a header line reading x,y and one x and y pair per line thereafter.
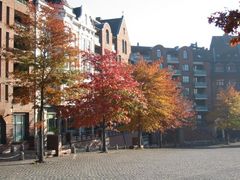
x,y
159,54
107,37
125,44
185,55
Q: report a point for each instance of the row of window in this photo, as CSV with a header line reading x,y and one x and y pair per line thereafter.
x,y
186,91
222,82
185,67
7,14
170,56
228,68
124,43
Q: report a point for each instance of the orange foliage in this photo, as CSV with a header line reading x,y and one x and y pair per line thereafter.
x,y
165,107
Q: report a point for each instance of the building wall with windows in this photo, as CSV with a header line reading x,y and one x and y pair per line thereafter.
x,y
16,121
82,26
190,66
225,64
115,39
80,23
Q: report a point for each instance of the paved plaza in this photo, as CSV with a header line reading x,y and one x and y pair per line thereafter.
x,y
206,163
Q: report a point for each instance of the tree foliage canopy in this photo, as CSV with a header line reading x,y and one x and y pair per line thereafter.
x,y
110,93
165,107
229,22
43,48
226,113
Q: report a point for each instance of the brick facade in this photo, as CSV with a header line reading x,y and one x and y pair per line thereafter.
x,y
10,112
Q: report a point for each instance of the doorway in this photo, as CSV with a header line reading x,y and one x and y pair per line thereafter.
x,y
2,131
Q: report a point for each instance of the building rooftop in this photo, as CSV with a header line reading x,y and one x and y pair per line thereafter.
x,y
222,50
114,23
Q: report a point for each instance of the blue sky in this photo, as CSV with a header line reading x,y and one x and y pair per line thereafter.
x,y
167,22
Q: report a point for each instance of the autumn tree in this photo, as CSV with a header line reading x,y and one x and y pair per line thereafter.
x,y
226,113
229,22
165,107
110,93
42,51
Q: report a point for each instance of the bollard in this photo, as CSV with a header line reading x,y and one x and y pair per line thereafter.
x,y
22,147
21,156
116,146
13,148
73,149
88,148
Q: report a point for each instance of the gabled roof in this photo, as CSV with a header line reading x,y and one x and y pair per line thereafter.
x,y
99,26
223,49
115,24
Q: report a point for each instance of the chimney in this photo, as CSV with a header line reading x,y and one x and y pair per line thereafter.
x,y
98,18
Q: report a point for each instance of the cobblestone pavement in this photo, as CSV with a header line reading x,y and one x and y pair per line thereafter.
x,y
214,163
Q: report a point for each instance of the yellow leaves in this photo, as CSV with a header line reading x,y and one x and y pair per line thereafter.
x,y
163,109
227,109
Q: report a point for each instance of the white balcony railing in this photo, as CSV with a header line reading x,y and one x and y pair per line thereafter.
x,y
202,108
200,72
200,84
200,96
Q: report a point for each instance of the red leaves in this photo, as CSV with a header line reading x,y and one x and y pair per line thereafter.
x,y
229,22
108,92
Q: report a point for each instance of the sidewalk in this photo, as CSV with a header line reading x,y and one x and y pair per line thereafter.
x,y
13,157
230,145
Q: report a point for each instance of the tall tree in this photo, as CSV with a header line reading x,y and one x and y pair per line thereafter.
x,y
165,106
226,114
229,22
43,49
110,94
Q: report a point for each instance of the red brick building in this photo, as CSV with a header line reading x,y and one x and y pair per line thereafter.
x,y
113,37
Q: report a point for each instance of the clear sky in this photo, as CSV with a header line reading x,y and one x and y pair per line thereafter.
x,y
167,22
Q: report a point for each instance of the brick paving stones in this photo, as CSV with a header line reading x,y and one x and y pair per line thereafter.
x,y
209,163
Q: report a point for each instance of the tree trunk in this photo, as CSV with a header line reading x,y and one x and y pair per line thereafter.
x,y
175,137
124,139
140,137
160,139
104,146
227,136
223,135
40,131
